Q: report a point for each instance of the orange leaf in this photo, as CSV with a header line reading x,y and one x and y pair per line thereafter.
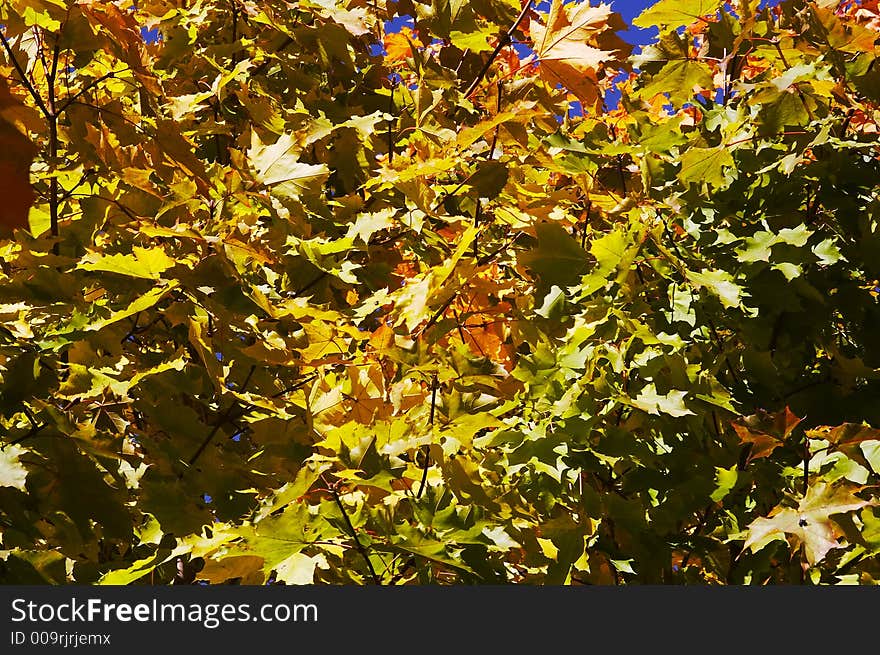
x,y
398,45
577,42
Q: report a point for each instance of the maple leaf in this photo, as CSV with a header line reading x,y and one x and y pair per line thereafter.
x,y
674,13
457,316
576,44
721,284
765,431
278,164
809,523
148,263
652,402
398,45
12,472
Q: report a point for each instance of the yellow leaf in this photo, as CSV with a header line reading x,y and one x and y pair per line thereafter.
x,y
142,302
809,523
278,164
147,263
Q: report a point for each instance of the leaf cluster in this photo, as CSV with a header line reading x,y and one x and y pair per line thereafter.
x,y
287,298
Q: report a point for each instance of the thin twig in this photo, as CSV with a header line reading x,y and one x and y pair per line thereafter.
x,y
427,447
311,284
361,548
506,39
222,420
438,313
24,78
288,41
88,87
31,433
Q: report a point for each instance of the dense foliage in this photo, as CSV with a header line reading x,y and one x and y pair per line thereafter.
x,y
289,297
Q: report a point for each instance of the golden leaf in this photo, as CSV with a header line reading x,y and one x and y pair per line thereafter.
x,y
577,42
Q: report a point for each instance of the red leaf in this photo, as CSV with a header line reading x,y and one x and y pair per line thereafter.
x,y
16,155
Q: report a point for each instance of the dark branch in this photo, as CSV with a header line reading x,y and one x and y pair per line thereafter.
x,y
361,548
505,40
427,448
24,78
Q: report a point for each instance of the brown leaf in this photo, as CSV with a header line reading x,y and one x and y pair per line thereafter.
x,y
847,438
765,431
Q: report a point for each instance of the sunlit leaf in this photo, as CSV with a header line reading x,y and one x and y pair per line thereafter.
x,y
809,523
575,43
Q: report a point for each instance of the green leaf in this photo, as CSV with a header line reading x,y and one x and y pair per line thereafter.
x,y
473,41
552,304
871,450
709,166
680,79
828,252
787,110
277,537
789,270
719,283
725,480
558,259
412,541
757,248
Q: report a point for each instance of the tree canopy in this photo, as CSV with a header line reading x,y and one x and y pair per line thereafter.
x,y
290,297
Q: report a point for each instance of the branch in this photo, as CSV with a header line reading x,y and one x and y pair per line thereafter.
x,y
320,277
24,78
284,391
702,523
361,548
438,313
31,433
222,420
452,193
427,448
288,41
88,87
505,40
